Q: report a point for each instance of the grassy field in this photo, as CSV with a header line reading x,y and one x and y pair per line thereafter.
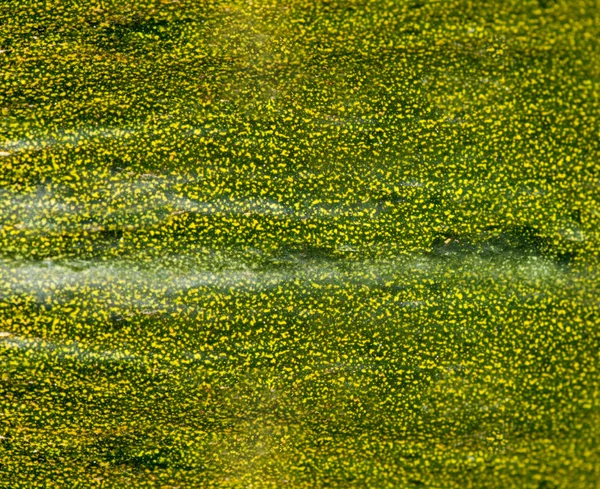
x,y
300,244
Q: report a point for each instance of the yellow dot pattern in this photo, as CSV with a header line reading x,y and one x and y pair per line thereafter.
x,y
301,243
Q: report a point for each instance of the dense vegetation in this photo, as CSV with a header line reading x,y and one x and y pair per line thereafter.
x,y
302,243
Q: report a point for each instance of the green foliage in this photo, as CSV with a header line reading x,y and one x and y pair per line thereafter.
x,y
304,243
